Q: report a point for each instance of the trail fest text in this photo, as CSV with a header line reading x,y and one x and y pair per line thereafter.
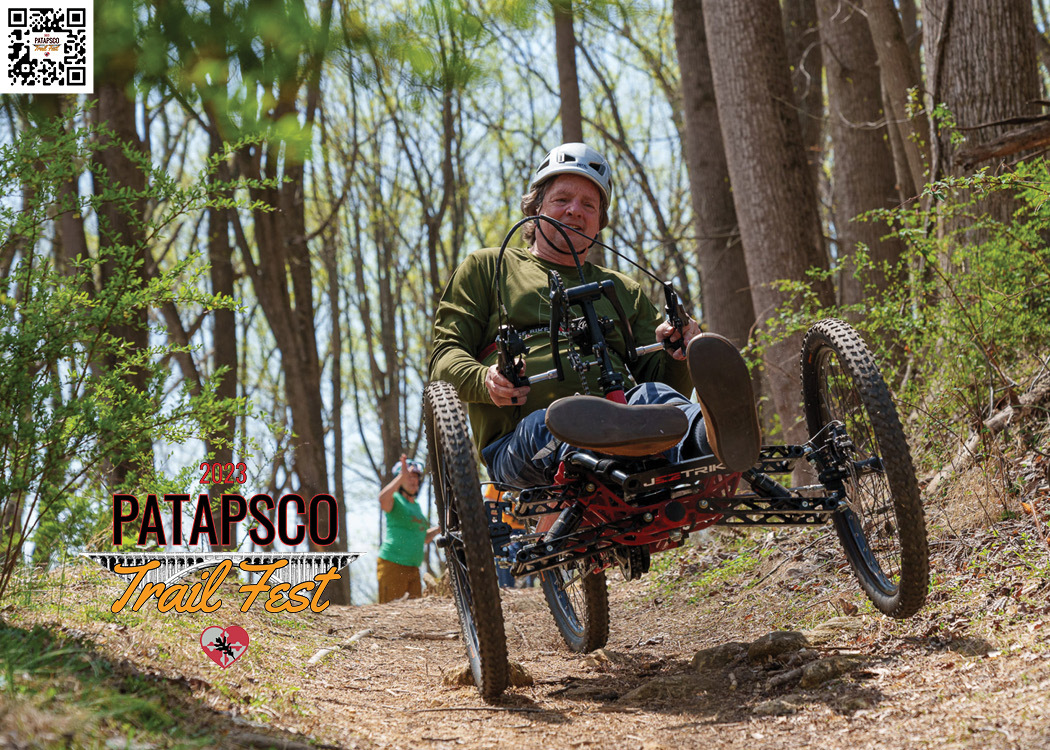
x,y
233,508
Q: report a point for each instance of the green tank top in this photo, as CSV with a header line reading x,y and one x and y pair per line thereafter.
x,y
406,530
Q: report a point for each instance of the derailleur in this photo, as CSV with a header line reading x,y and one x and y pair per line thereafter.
x,y
834,459
632,561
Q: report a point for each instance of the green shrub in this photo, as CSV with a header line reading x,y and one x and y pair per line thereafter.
x,y
967,325
71,408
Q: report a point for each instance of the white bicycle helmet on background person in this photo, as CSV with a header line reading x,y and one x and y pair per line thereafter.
x,y
576,158
413,465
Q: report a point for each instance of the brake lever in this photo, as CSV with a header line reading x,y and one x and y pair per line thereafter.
x,y
511,349
672,311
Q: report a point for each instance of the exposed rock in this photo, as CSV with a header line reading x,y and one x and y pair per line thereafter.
x,y
804,571
835,629
717,657
596,659
461,677
968,646
517,676
775,707
784,678
776,643
855,703
818,672
591,692
671,688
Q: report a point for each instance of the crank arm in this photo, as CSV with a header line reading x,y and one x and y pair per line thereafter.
x,y
549,375
649,349
553,374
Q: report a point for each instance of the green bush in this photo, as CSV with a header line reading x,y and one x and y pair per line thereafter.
x,y
967,324
72,409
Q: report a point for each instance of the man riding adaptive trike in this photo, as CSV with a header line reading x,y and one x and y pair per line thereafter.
x,y
610,479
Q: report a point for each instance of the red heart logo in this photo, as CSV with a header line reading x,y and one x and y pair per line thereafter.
x,y
226,645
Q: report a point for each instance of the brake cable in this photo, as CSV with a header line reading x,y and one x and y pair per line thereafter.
x,y
512,348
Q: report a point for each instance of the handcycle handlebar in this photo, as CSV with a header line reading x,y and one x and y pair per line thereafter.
x,y
556,374
587,331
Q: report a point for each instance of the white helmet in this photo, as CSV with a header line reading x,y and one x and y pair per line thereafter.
x,y
576,158
413,466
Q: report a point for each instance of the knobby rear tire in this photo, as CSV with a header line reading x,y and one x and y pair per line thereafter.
x,y
883,532
580,609
469,555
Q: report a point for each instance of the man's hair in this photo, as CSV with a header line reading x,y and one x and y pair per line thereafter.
x,y
530,206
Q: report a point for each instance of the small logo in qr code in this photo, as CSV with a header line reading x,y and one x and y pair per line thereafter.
x,y
47,47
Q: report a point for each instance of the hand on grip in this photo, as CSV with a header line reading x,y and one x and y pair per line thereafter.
x,y
501,390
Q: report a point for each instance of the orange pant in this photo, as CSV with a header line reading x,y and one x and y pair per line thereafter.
x,y
397,580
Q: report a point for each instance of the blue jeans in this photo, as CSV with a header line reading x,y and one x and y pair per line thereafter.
x,y
529,456
506,580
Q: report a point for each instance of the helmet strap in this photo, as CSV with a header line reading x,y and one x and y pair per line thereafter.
x,y
570,253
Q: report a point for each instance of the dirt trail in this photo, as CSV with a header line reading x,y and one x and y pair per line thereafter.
x,y
971,670
918,684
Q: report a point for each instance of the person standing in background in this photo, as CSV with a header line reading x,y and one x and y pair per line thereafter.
x,y
406,534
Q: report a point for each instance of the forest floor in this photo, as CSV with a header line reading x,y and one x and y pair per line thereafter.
x,y
971,670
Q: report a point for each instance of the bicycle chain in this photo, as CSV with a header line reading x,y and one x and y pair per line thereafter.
x,y
565,325
577,365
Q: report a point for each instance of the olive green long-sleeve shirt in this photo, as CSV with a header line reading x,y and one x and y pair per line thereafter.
x,y
467,319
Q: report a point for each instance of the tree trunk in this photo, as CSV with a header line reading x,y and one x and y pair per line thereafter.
x,y
772,186
898,77
70,238
984,69
331,237
282,279
121,230
906,189
224,334
862,173
727,307
568,83
805,59
284,256
912,31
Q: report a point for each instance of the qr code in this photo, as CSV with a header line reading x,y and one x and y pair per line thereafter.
x,y
47,47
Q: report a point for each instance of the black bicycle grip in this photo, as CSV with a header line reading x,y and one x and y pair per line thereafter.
x,y
673,312
511,348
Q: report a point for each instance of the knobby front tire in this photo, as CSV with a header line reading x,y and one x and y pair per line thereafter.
x,y
465,526
580,605
883,530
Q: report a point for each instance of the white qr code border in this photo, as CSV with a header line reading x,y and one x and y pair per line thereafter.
x,y
47,47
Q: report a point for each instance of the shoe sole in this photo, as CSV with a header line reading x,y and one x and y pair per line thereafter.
x,y
619,429
723,387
